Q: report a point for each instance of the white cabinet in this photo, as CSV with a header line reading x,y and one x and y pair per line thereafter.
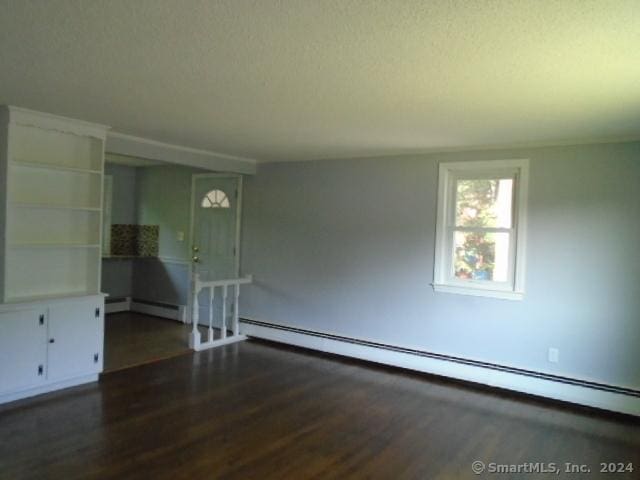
x,y
23,349
51,309
74,340
48,345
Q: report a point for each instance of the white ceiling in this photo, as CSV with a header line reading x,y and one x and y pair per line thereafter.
x,y
303,79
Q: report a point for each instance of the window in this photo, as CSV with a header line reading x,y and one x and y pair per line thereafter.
x,y
215,199
480,232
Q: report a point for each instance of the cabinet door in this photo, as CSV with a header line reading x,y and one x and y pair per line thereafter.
x,y
74,340
23,349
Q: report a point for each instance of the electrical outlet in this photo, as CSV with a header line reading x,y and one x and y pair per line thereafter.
x,y
554,355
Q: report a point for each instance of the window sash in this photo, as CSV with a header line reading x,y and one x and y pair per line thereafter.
x,y
449,251
490,284
482,229
455,177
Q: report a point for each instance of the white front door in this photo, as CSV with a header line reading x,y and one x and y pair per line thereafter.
x,y
216,203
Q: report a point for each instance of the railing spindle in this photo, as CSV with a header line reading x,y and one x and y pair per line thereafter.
x,y
224,312
236,323
212,295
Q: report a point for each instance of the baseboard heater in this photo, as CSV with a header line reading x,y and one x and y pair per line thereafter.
x,y
158,309
584,392
117,304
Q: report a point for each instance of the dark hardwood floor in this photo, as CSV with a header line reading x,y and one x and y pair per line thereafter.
x,y
257,410
132,339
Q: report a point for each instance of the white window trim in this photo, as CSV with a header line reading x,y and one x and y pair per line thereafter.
x,y
442,282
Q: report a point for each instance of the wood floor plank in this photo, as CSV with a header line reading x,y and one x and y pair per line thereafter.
x,y
264,411
134,339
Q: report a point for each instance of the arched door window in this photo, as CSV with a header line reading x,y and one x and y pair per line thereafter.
x,y
215,199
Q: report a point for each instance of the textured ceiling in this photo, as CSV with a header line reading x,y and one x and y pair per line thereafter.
x,y
301,79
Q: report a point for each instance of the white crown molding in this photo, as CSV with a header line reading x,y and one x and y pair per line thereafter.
x,y
49,121
182,148
130,145
468,148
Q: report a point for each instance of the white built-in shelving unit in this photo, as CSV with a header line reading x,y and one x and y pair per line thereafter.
x,y
52,169
51,308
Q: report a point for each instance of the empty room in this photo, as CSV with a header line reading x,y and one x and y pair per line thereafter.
x,y
317,239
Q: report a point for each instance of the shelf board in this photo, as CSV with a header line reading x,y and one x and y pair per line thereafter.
x,y
54,245
53,296
47,166
53,207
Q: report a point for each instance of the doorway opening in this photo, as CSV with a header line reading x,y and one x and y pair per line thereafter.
x,y
148,253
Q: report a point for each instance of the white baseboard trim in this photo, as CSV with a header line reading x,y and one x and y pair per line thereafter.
x,y
199,346
543,387
49,387
179,314
116,307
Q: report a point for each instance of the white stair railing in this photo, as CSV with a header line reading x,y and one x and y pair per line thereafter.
x,y
195,339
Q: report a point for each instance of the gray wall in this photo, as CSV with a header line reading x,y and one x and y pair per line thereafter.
x,y
347,247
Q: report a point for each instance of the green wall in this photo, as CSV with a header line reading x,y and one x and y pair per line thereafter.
x,y
164,198
158,195
117,274
124,201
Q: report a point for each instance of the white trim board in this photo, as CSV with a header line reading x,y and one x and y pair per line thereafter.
x,y
121,306
132,146
49,121
572,393
162,259
50,387
148,308
217,343
179,314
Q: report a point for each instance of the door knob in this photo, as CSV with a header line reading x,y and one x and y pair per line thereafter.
x,y
196,259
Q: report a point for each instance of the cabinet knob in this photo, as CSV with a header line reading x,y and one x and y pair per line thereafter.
x,y
52,340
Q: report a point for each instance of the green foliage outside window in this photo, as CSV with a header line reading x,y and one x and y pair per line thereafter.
x,y
474,254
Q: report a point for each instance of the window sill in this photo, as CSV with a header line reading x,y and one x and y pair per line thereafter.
x,y
478,292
